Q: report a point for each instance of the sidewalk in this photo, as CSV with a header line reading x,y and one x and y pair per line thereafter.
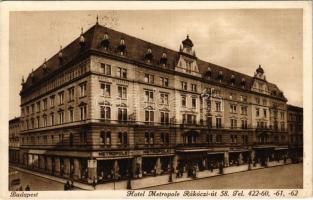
x,y
147,182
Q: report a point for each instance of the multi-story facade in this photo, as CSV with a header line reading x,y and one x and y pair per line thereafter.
x,y
14,140
111,105
295,130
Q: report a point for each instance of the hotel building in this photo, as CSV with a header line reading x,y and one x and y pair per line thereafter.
x,y
112,106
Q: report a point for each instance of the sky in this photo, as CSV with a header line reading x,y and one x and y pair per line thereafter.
x,y
236,39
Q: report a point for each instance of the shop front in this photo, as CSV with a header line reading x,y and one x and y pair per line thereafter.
x,y
191,161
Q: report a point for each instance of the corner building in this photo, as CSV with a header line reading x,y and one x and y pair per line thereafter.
x,y
112,106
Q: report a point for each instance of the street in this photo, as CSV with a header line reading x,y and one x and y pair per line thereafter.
x,y
282,177
35,183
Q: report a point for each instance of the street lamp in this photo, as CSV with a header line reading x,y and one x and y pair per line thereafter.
x,y
171,167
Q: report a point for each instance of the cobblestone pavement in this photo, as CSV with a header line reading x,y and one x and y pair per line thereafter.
x,y
35,183
282,177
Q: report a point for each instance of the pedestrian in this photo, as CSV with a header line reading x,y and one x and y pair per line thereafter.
x,y
67,186
72,185
21,188
27,188
285,159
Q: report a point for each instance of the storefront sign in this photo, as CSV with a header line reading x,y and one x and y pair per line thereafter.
x,y
156,151
113,153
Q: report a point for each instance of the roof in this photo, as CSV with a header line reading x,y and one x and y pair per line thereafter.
x,y
135,50
294,108
14,120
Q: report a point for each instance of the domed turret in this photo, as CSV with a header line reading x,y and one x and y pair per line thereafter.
x,y
187,42
260,70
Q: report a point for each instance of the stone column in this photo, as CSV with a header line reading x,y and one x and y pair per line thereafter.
x,y
66,167
92,171
57,166
158,166
240,159
49,164
174,162
137,167
30,160
77,169
226,159
41,162
116,169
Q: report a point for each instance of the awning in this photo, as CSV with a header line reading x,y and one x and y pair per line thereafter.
x,y
216,152
191,150
281,148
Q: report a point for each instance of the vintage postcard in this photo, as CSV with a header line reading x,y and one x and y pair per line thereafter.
x,y
156,100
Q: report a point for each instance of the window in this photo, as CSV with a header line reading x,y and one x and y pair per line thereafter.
x,y
189,119
165,138
106,89
44,120
27,110
164,98
188,66
83,137
149,78
219,139
282,115
105,137
257,112
218,106
71,115
183,101
264,112
122,92
122,114
38,122
233,108
122,138
209,121
233,123
121,72
61,117
45,103
282,126
105,69
33,108
244,110
83,89
83,112
61,98
52,119
149,116
149,96
194,102
209,138
244,124
38,106
164,81
149,138
194,87
71,94
183,85
218,122
165,118
264,102
52,101
105,112
257,100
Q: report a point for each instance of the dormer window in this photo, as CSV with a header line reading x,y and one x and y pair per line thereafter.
x,y
105,42
60,55
220,76
82,39
44,66
122,48
208,73
149,56
232,80
163,60
243,83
